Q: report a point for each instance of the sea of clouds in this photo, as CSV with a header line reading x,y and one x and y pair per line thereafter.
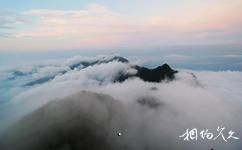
x,y
149,115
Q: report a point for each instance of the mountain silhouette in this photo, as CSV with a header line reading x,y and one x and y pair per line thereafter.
x,y
150,75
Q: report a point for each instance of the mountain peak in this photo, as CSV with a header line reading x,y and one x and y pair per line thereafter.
x,y
158,74
165,66
151,75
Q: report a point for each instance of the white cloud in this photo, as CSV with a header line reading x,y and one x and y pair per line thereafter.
x,y
211,100
99,26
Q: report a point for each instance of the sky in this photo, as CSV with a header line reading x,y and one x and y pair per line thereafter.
x,y
52,25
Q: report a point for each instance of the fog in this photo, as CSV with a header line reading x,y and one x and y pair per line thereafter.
x,y
85,109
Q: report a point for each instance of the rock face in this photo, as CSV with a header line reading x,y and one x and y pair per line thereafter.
x,y
152,75
156,75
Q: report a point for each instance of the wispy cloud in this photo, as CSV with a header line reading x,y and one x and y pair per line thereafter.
x,y
100,26
9,21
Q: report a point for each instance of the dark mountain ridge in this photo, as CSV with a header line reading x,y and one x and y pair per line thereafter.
x,y
157,74
150,75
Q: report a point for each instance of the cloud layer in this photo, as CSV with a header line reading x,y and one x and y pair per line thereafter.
x,y
149,115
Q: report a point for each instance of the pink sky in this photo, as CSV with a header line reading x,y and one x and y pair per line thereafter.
x,y
99,26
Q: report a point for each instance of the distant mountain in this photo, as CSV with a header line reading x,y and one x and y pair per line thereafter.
x,y
102,60
150,75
